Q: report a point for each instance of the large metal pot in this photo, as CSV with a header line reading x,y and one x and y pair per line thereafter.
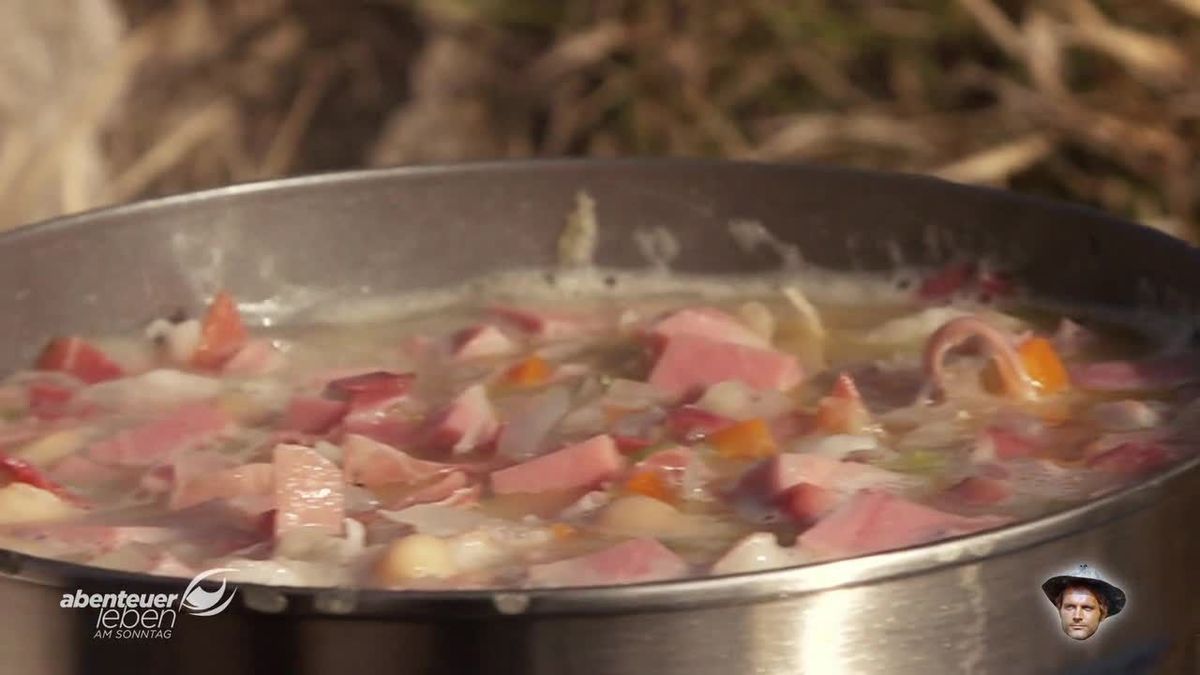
x,y
966,605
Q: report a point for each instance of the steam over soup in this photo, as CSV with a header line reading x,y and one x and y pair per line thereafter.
x,y
616,438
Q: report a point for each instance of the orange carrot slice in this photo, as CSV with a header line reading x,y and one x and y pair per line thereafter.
x,y
745,440
221,335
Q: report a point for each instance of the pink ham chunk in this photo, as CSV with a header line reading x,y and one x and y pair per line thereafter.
x,y
371,463
481,341
689,363
1005,445
772,477
157,441
49,400
1146,375
467,423
312,414
309,491
981,491
249,483
576,466
673,463
806,503
709,323
1132,458
634,561
874,520
381,406
80,471
371,392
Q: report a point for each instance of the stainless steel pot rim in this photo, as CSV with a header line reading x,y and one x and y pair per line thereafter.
x,y
669,595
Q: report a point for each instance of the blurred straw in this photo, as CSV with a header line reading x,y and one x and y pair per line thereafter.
x,y
1097,102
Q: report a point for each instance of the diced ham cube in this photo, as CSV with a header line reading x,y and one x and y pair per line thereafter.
x,y
1132,458
634,561
1005,445
709,323
159,440
947,281
773,476
468,423
981,491
309,491
48,400
481,341
806,503
672,464
576,466
631,444
77,357
791,425
381,406
1150,374
689,363
371,463
874,520
312,414
248,480
81,471
371,392
393,430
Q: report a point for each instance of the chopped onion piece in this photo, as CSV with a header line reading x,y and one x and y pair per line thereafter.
x,y
156,390
736,400
808,313
837,446
439,520
525,435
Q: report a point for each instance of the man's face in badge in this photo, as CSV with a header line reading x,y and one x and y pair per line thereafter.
x,y
1081,611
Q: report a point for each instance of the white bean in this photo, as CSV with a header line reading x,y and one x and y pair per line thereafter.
x,y
20,502
758,318
414,557
640,515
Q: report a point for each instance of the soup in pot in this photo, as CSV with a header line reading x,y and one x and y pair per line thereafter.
x,y
614,437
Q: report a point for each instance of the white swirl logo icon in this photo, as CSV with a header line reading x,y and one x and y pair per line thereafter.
x,y
200,602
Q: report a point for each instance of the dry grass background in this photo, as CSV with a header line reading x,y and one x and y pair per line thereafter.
x,y
1096,101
